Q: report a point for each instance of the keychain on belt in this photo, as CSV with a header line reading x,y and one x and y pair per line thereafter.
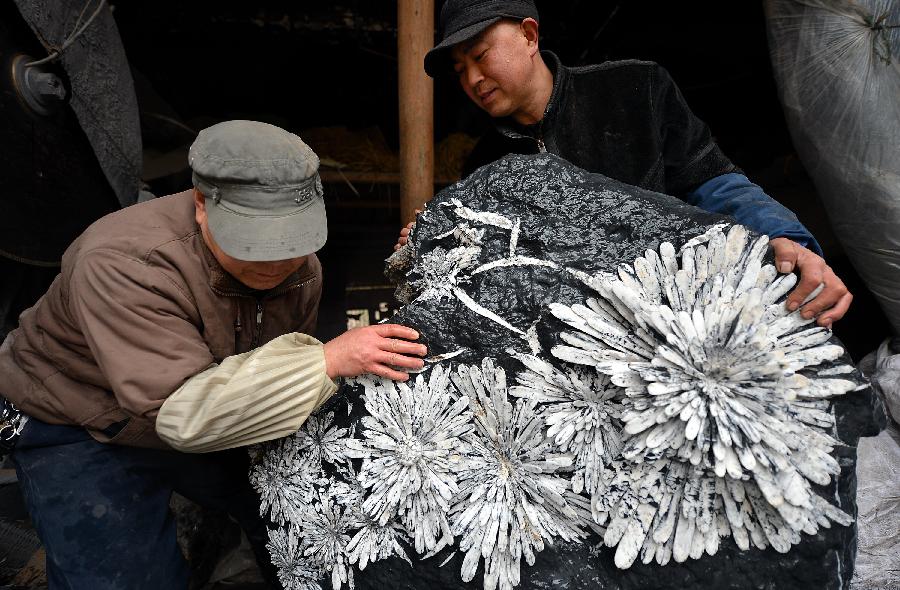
x,y
11,423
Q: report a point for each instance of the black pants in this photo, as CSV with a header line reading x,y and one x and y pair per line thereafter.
x,y
102,511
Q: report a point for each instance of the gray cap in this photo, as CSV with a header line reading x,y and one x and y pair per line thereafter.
x,y
262,188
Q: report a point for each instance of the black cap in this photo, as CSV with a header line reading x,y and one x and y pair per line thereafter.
x,y
463,19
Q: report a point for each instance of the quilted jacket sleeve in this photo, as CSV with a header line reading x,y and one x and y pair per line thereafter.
x,y
140,326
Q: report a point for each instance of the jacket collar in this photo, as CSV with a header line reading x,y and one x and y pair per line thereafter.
x,y
226,285
507,125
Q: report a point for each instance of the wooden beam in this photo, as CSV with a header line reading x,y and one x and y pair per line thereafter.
x,y
364,178
415,36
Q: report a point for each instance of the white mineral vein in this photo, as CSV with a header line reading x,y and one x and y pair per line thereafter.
x,y
445,356
485,217
515,261
483,311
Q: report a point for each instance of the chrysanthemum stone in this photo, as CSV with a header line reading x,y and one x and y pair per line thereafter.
x,y
322,440
511,501
718,375
325,534
295,572
411,449
581,409
284,476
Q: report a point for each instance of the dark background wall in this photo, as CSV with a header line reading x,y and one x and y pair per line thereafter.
x,y
316,64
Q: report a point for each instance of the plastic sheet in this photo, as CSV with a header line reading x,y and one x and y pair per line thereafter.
x,y
878,474
883,369
878,500
837,64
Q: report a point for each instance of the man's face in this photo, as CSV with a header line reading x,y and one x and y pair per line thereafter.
x,y
495,68
256,275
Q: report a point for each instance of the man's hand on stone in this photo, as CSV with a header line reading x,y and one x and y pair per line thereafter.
x,y
404,233
380,350
832,302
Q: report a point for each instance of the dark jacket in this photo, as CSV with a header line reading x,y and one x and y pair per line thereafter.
x,y
625,119
140,306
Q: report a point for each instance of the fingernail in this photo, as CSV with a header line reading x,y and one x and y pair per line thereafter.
x,y
415,335
793,305
785,267
807,315
827,325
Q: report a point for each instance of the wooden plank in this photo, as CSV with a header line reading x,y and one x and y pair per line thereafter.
x,y
415,36
363,177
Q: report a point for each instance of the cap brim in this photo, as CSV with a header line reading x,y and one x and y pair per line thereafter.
x,y
437,61
270,237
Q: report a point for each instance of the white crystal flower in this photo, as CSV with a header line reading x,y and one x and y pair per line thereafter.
x,y
375,541
322,440
510,501
717,374
325,529
658,508
581,410
411,450
295,572
284,477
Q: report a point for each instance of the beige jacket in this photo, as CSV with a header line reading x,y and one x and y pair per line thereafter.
x,y
141,312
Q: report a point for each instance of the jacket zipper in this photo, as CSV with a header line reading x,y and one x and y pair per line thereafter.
x,y
237,330
541,148
259,318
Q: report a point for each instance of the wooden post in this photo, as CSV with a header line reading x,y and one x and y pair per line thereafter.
x,y
415,36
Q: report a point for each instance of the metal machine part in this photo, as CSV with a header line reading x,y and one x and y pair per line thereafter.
x,y
39,88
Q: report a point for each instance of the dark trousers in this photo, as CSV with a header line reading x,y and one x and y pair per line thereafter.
x,y
102,511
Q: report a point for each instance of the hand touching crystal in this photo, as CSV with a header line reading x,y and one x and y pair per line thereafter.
x,y
828,306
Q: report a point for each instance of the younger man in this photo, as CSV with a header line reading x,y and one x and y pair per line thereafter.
x,y
626,120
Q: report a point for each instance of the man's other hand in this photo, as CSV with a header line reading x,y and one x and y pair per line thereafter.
x,y
404,233
832,302
379,350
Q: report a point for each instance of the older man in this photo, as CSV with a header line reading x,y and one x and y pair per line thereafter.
x,y
176,327
626,120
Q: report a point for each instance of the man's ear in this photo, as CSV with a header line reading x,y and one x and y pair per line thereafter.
x,y
530,30
199,207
